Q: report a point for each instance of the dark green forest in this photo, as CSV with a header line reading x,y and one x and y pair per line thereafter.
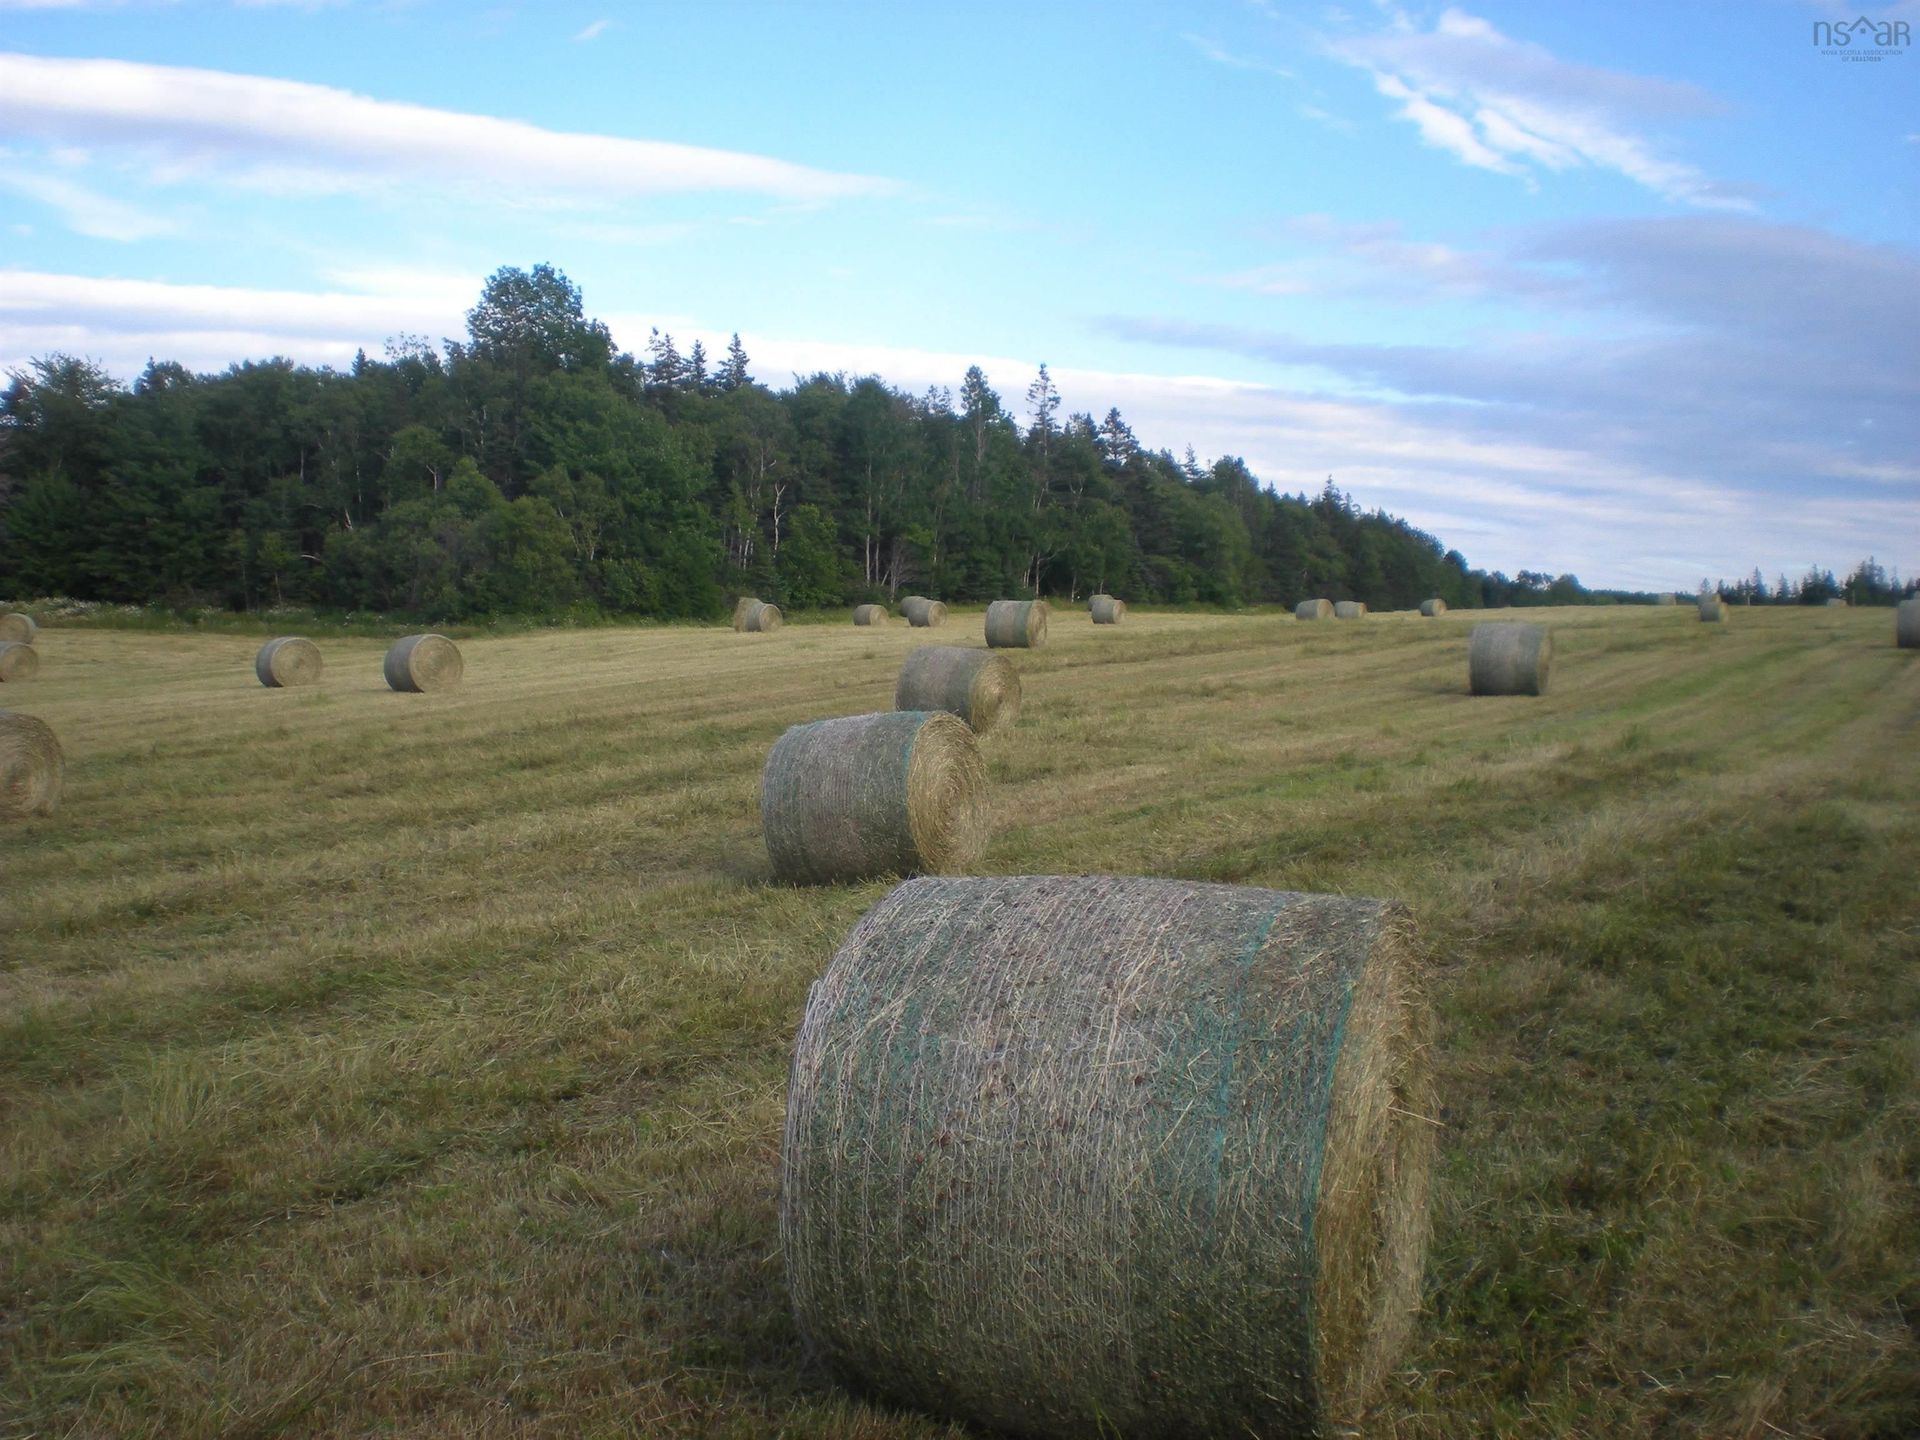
x,y
535,470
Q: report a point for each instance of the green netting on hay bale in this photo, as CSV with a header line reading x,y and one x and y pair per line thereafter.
x,y
1107,610
18,627
870,615
982,688
1313,610
1092,1155
1349,610
289,660
31,767
419,663
1017,624
1713,609
18,662
1509,658
1433,607
922,613
897,793
1906,624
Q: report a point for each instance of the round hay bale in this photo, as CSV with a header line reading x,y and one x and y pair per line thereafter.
x,y
17,662
1017,624
290,660
867,795
1349,610
1509,658
922,613
1836,603
1313,610
423,662
1433,607
870,615
1077,1155
18,627
31,767
982,688
762,619
1906,624
1713,609
1666,599
1108,611
742,608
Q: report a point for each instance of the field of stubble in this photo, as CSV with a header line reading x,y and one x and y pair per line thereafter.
x,y
374,1063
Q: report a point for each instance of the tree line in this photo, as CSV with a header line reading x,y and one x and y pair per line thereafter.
x,y
535,469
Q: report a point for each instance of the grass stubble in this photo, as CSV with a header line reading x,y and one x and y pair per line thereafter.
x,y
379,1062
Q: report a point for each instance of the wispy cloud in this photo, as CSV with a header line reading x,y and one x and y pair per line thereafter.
x,y
289,136
1220,55
1514,108
84,211
593,31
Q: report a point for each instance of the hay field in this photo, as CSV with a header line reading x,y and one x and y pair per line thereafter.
x,y
382,1063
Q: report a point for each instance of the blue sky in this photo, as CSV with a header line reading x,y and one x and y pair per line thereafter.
x,y
1629,290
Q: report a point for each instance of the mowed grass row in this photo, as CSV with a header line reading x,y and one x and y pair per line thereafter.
x,y
377,1062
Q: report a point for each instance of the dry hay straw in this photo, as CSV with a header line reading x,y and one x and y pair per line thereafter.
x,y
289,660
1078,1155
982,688
1509,658
1666,599
1349,610
1107,610
896,793
31,767
18,662
1313,610
1713,609
755,617
1433,607
1017,624
18,627
1906,624
742,608
922,613
870,615
424,662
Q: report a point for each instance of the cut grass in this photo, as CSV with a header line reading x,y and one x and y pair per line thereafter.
x,y
376,1062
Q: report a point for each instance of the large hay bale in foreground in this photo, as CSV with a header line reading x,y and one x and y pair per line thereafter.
x,y
982,688
1349,610
870,615
1433,607
1107,610
1313,610
1017,624
922,613
1906,624
289,660
1078,1155
420,663
866,795
17,662
1509,658
1713,609
18,627
31,767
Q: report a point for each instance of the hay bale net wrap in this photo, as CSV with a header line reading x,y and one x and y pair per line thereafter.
x,y
18,662
1313,610
870,615
1017,624
420,663
1431,608
1906,624
1348,610
923,613
31,766
1107,610
289,660
980,687
1078,1155
865,795
18,627
1713,609
1509,658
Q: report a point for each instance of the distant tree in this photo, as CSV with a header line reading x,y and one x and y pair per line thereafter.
x,y
529,321
733,370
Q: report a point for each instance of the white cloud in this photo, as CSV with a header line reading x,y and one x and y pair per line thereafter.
x,y
289,135
86,212
593,31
